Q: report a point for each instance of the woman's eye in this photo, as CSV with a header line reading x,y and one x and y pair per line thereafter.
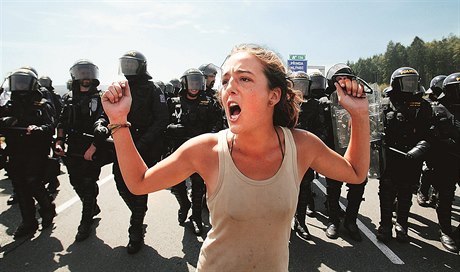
x,y
224,82
245,79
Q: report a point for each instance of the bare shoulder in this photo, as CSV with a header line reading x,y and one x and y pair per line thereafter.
x,y
204,143
309,147
305,140
202,152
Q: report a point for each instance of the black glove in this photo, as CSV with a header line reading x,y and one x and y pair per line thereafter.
x,y
175,130
418,150
8,121
101,132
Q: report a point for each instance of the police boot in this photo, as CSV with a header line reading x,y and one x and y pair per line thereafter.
x,y
448,242
444,212
136,228
12,199
401,233
387,196
355,197
196,218
29,223
47,209
404,204
89,204
180,192
311,210
424,189
333,195
422,199
434,199
301,228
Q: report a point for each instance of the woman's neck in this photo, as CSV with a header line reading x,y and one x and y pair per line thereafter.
x,y
254,142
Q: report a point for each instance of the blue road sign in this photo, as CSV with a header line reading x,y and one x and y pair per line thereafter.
x,y
297,65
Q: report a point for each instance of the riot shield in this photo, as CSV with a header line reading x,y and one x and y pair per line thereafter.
x,y
341,127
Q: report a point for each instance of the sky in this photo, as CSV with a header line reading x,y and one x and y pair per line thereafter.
x,y
177,35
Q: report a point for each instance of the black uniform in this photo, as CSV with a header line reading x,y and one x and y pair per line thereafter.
x,y
333,190
311,118
80,111
406,123
148,117
427,194
28,156
190,118
444,160
54,163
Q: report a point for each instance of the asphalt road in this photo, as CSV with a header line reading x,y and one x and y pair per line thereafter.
x,y
170,247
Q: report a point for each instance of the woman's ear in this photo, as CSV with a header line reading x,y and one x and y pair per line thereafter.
x,y
275,96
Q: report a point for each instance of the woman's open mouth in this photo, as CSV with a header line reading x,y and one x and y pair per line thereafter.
x,y
234,111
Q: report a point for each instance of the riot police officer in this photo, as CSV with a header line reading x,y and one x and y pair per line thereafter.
x,y
51,177
210,72
148,118
318,85
444,156
406,127
425,197
176,84
169,90
192,113
28,146
311,118
355,193
160,84
82,106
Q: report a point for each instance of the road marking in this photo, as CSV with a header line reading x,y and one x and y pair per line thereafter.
x,y
369,234
75,199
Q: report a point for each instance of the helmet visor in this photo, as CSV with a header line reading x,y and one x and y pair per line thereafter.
x,y
303,85
196,82
22,83
84,71
452,93
409,84
318,83
169,88
45,82
129,67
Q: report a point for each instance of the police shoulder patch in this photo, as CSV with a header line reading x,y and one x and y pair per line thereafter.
x,y
162,98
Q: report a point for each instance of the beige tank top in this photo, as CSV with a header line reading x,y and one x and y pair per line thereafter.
x,y
251,220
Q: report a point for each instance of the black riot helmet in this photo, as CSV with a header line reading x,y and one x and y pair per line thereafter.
x,y
209,71
169,89
23,84
133,63
451,89
301,82
85,69
318,84
405,80
176,84
160,85
340,69
193,79
30,68
45,81
23,80
436,85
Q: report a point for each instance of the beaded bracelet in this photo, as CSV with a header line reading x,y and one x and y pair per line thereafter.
x,y
114,127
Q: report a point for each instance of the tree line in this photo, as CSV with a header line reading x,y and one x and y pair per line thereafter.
x,y
428,58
